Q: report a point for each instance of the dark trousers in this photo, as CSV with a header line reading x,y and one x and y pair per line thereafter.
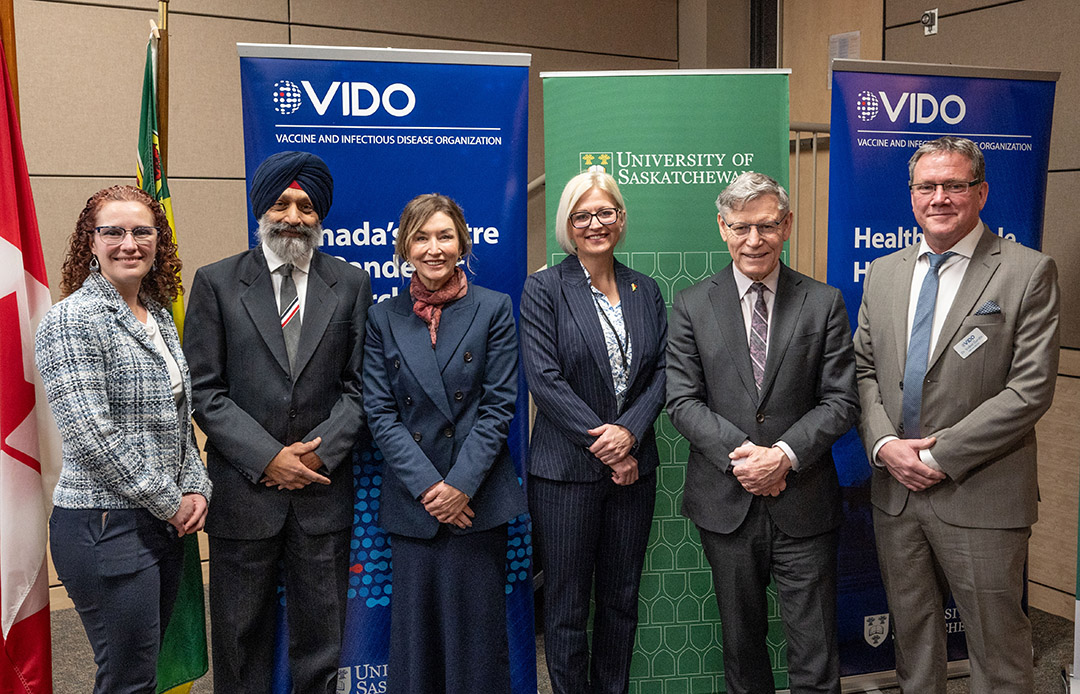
x,y
121,568
448,614
805,572
244,601
592,536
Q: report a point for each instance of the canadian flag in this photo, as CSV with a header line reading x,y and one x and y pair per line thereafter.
x,y
29,444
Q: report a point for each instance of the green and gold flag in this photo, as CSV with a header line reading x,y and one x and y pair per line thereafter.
x,y
150,176
183,656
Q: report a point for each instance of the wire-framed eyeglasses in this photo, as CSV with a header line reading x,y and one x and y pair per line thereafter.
x,y
763,228
950,187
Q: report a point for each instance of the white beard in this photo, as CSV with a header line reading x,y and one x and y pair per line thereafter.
x,y
290,249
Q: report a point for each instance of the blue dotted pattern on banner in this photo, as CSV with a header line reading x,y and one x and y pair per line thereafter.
x,y
370,571
518,551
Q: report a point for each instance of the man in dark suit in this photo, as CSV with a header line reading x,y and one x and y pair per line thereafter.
x,y
275,338
957,353
761,382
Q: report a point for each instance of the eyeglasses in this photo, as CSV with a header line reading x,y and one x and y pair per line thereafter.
x,y
763,228
114,236
950,187
605,215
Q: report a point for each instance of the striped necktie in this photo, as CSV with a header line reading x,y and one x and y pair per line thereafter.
x,y
290,314
759,333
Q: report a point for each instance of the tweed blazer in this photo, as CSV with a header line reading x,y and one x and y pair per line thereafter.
x,y
443,414
108,386
569,373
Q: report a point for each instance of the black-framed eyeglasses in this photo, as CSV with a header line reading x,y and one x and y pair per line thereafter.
x,y
605,215
763,228
950,187
114,236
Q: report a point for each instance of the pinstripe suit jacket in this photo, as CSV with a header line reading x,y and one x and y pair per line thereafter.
x,y
569,374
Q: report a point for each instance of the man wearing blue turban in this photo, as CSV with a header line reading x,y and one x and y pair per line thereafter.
x,y
274,342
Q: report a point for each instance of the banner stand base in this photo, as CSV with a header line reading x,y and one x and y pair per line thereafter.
x,y
1070,681
871,682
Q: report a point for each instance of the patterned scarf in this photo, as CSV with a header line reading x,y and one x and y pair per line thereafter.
x,y
429,304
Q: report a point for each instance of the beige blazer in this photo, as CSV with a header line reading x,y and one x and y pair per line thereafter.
x,y
982,408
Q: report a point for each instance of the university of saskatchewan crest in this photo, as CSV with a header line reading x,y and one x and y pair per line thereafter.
x,y
587,159
344,680
875,628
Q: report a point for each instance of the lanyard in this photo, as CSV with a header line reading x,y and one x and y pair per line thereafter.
x,y
618,340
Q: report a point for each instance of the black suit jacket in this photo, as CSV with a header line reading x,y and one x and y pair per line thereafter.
x,y
249,406
808,398
444,413
569,374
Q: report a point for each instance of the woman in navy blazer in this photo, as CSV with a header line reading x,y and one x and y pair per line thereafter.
x,y
440,384
593,339
132,481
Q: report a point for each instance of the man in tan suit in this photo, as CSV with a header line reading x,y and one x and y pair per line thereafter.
x,y
956,354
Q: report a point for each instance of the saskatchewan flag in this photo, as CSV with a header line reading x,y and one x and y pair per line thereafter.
x,y
183,653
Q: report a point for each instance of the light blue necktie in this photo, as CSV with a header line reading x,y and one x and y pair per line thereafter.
x,y
919,347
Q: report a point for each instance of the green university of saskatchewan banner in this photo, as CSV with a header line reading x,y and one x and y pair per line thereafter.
x,y
672,140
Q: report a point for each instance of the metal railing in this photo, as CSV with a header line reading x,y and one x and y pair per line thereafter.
x,y
814,133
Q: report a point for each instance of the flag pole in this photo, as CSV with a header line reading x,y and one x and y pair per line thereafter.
x,y
7,37
162,83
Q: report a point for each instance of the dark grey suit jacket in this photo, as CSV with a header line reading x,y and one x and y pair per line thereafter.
x,y
569,374
444,413
982,408
808,398
249,406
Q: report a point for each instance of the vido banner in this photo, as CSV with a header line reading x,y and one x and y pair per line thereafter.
x,y
881,113
392,124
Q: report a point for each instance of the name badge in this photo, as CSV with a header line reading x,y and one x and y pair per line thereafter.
x,y
969,344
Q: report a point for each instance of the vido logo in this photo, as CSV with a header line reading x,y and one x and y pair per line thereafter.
x,y
355,98
287,97
867,106
919,107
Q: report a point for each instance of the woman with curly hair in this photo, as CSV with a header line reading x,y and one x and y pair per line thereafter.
x,y
132,482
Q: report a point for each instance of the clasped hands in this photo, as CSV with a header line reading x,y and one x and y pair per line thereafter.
x,y
901,458
761,471
612,446
448,505
191,515
294,466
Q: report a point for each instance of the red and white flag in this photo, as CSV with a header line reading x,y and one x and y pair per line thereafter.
x,y
29,444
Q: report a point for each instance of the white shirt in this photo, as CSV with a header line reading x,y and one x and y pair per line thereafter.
x,y
176,381
299,275
747,299
950,275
